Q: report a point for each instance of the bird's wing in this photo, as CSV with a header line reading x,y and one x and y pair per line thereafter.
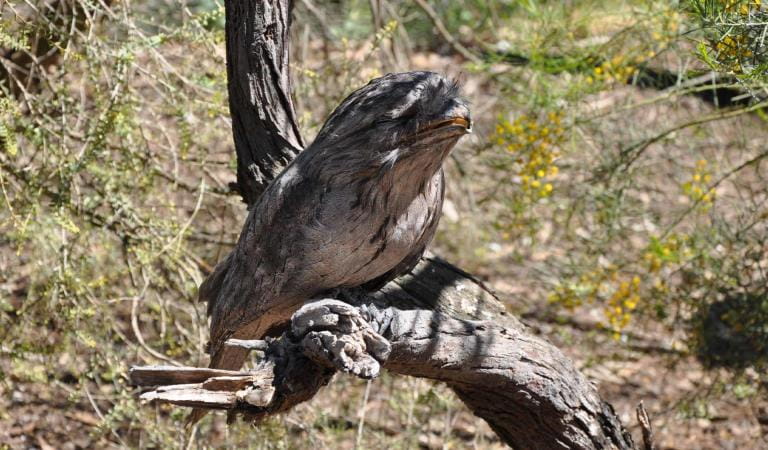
x,y
249,280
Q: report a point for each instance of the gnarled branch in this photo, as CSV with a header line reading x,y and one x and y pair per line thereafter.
x,y
525,388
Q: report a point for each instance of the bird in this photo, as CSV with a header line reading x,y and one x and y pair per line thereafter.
x,y
355,209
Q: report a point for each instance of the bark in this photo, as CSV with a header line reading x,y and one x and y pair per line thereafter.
x,y
436,322
525,388
264,124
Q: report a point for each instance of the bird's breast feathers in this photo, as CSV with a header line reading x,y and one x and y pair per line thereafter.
x,y
346,246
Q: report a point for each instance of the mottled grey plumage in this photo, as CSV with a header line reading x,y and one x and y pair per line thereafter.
x,y
356,208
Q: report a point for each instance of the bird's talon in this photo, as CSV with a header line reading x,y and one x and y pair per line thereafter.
x,y
334,333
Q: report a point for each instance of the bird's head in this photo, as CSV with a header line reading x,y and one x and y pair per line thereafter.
x,y
394,118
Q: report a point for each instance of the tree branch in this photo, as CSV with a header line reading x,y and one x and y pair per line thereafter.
x,y
525,388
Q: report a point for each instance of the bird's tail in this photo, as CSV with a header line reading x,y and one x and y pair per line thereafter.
x,y
222,357
213,285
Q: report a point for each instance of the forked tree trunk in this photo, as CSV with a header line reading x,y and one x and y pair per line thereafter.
x,y
440,322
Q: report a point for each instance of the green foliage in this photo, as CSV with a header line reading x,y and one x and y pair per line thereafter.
x,y
734,36
639,246
101,193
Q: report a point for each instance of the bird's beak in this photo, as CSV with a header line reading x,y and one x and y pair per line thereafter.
x,y
454,122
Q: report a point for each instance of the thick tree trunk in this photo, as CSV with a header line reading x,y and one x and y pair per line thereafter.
x,y
436,322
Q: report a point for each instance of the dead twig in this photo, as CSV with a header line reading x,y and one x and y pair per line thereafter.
x,y
440,27
645,426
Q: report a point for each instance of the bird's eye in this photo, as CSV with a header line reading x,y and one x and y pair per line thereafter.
x,y
384,119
